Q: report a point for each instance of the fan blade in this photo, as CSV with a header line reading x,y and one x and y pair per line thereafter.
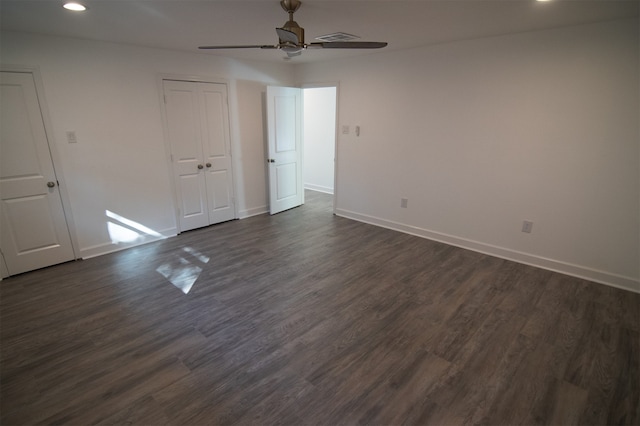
x,y
348,45
248,46
287,36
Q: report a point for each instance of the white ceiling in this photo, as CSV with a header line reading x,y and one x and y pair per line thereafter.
x,y
187,24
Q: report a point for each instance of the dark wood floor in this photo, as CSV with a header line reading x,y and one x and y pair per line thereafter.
x,y
308,318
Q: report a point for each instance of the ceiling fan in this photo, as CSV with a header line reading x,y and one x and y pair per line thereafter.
x,y
291,37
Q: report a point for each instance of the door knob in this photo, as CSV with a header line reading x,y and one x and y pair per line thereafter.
x,y
51,184
208,164
200,166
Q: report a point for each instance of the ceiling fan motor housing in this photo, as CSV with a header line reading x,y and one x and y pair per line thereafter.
x,y
296,29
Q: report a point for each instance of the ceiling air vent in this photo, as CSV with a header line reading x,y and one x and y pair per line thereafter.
x,y
337,37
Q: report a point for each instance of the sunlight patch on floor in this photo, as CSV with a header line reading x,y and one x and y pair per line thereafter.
x,y
182,272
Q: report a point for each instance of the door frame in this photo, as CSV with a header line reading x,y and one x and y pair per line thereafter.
x,y
167,143
336,85
53,150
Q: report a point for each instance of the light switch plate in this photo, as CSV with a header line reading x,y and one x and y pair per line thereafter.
x,y
71,136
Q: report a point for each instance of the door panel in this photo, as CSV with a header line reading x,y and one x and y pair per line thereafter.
x,y
30,210
287,182
183,123
214,122
34,231
284,122
220,202
217,151
198,131
192,197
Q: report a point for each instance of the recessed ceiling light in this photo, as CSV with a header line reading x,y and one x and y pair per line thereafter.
x,y
76,7
543,0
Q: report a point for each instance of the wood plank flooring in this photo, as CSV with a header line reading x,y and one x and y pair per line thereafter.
x,y
308,318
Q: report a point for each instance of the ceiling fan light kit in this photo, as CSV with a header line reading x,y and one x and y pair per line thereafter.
x,y
291,37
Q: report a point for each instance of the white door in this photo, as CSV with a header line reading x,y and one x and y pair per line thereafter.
x,y
198,131
33,228
284,122
217,152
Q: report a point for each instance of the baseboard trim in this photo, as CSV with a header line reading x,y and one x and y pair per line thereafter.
x,y
243,214
601,277
318,188
111,247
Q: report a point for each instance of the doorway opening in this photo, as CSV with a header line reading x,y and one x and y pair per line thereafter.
x,y
319,136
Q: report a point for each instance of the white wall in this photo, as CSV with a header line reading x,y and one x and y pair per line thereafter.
x,y
480,135
109,94
319,138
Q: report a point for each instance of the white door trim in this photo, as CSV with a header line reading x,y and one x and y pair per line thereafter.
x,y
167,143
55,158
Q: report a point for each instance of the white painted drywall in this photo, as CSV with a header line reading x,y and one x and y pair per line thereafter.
x,y
109,95
319,138
480,135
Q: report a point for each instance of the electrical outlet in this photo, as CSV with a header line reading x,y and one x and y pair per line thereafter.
x,y
527,226
404,202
